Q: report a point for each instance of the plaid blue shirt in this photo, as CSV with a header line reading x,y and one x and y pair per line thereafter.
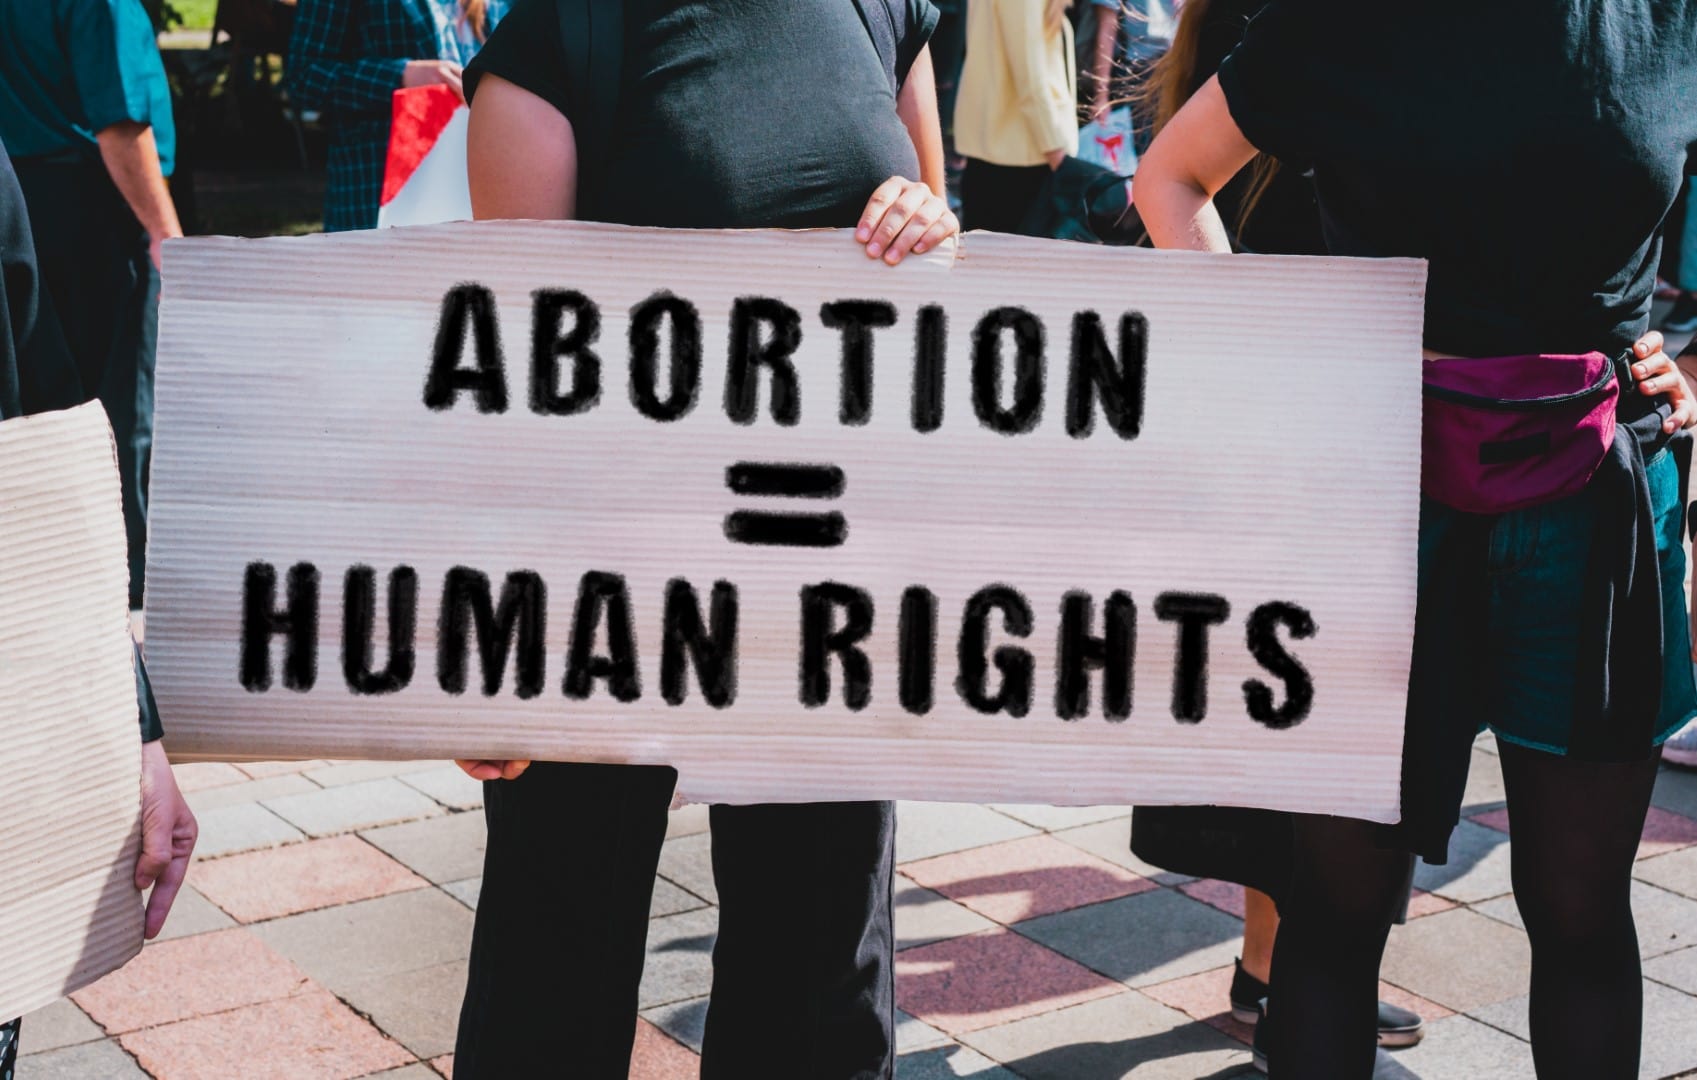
x,y
345,59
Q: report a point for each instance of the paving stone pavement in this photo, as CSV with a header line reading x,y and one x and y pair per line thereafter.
x,y
328,920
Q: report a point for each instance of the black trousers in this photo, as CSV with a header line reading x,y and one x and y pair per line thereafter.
x,y
8,1049
997,197
94,265
803,978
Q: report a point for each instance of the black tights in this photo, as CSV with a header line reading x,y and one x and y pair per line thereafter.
x,y
1576,828
1572,863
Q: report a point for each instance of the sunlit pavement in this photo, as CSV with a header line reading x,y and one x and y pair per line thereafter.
x,y
326,930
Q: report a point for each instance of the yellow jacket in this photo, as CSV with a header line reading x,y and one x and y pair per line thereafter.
x,y
1017,90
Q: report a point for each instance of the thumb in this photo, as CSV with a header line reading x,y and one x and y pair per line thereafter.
x,y
155,848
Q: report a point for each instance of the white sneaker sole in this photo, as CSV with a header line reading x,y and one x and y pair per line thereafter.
x,y
1245,1014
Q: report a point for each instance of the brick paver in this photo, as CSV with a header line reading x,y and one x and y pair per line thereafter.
x,y
1032,944
1204,997
990,978
309,1037
190,977
1022,879
303,877
656,1056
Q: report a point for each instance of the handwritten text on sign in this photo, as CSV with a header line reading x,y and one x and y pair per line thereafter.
x,y
1043,525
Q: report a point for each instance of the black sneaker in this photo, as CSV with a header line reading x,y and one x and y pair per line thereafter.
x,y
1257,1046
1398,1027
1683,318
1246,996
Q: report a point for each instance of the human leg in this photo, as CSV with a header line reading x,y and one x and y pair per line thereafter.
x,y
803,969
1260,927
8,1049
1345,892
562,921
1576,826
1254,969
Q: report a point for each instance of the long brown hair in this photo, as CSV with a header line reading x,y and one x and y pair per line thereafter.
x,y
476,15
1171,83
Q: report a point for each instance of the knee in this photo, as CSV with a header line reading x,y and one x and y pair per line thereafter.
x,y
1362,904
1576,919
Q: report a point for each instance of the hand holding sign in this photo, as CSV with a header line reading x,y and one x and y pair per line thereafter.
x,y
902,216
510,769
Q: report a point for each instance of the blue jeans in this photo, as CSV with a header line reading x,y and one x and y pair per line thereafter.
x,y
1537,565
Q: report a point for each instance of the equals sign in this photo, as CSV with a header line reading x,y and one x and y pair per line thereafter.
x,y
785,481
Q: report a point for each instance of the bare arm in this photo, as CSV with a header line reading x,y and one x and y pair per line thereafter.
x,y
1102,60
132,159
521,161
521,155
905,215
916,104
1198,151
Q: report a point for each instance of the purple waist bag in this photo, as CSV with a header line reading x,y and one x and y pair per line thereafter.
x,y
1508,432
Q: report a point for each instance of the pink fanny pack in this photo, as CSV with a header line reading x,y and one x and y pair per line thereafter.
x,y
1509,432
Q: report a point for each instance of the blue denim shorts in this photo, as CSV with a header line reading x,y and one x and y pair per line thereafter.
x,y
1537,566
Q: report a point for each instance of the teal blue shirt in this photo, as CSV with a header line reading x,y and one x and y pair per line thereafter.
x,y
69,68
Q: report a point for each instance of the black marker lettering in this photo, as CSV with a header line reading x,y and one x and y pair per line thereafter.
x,y
771,348
917,649
359,604
820,637
857,319
597,592
1015,664
1080,653
930,345
1195,613
685,356
1027,407
1269,652
521,615
298,623
488,380
713,652
548,345
1096,374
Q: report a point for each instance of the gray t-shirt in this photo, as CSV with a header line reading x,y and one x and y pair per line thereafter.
x,y
738,113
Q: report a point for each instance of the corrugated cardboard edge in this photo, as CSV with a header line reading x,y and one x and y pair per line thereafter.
x,y
69,909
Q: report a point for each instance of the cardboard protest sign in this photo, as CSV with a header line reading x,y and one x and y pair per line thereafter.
x,y
1053,523
71,801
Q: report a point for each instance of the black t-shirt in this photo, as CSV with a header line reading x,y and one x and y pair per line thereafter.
x,y
1530,149
1285,219
745,114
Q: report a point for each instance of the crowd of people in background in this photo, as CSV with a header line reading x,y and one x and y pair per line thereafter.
x,y
1247,125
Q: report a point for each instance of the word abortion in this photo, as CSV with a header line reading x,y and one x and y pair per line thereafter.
x,y
835,621
765,335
